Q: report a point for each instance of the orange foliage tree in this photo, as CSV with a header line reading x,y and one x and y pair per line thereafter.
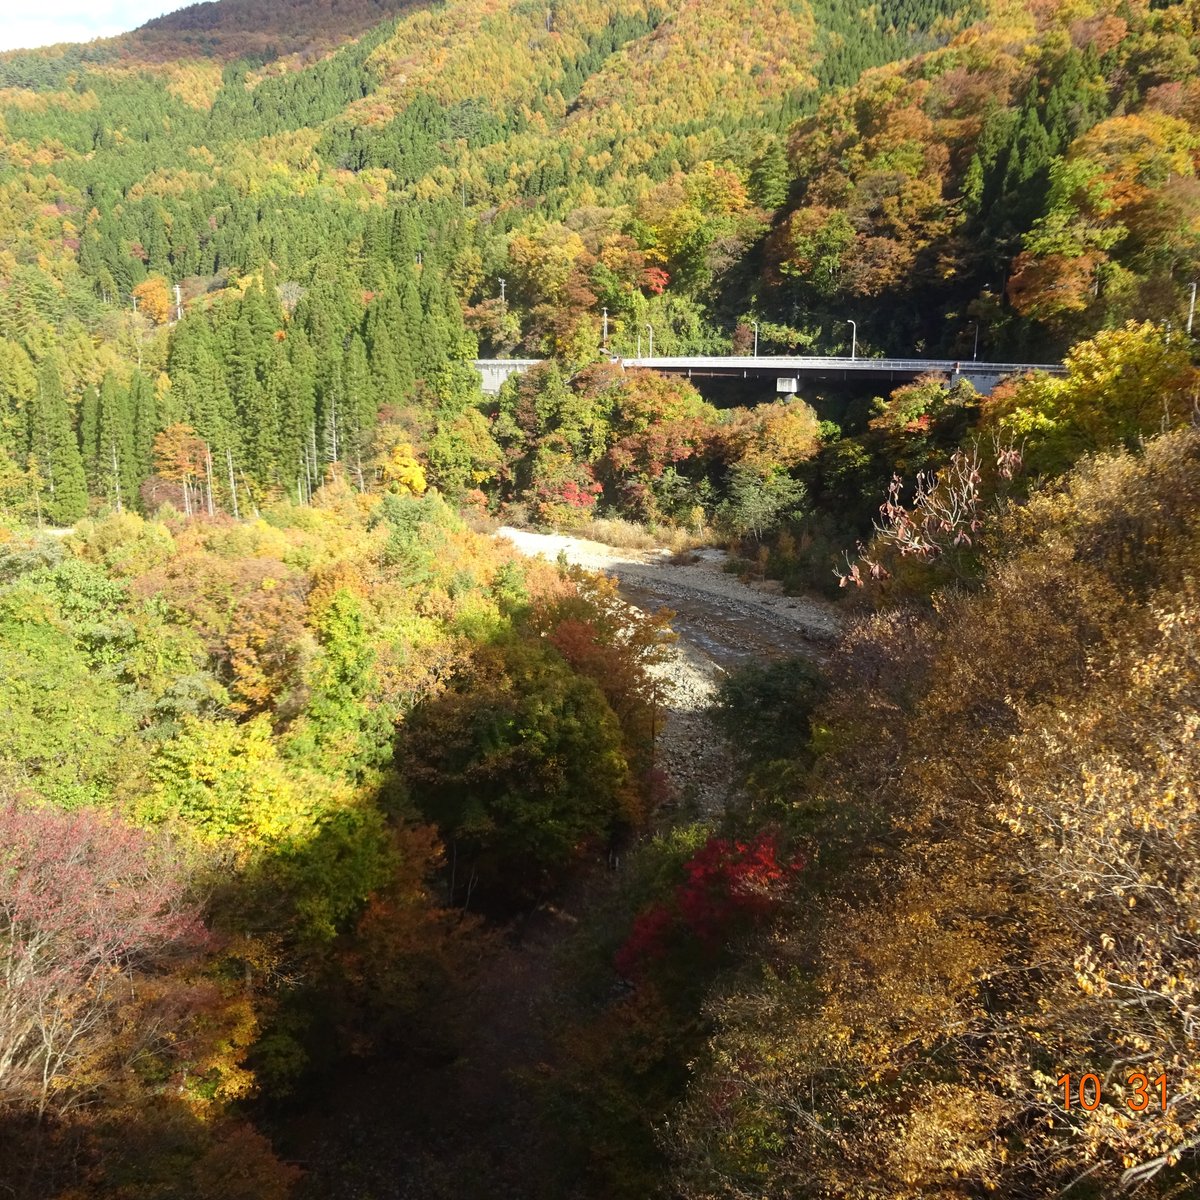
x,y
154,299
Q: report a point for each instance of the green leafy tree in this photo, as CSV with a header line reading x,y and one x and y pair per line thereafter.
x,y
756,503
342,731
519,763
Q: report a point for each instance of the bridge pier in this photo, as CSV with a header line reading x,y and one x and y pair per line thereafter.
x,y
494,371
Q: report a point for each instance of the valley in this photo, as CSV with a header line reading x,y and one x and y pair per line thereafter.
x,y
446,751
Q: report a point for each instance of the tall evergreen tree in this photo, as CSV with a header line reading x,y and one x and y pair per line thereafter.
x,y
248,393
404,244
434,340
89,437
52,440
387,350
770,177
360,408
299,415
144,405
199,392
117,447
264,423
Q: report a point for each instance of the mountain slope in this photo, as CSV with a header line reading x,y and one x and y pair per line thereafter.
x,y
1019,176
228,29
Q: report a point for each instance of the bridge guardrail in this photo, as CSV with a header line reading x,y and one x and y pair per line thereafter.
x,y
764,362
961,366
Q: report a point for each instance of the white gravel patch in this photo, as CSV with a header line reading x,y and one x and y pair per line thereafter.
x,y
705,579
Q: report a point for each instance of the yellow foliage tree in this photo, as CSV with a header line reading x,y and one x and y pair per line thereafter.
x,y
399,470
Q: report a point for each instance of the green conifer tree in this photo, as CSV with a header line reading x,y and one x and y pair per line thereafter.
x,y
360,409
144,404
89,438
117,448
57,451
770,177
298,417
264,424
199,391
391,369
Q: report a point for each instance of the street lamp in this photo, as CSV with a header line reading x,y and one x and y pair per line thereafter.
x,y
755,324
651,328
1192,310
853,338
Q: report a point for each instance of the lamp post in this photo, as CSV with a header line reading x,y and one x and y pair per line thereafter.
x,y
1192,310
651,328
755,323
853,338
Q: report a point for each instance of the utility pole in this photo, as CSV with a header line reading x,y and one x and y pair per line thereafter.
x,y
503,285
651,328
1192,310
755,323
605,329
975,352
178,303
853,339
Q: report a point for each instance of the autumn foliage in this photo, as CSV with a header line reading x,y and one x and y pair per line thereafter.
x,y
109,1013
299,773
1016,879
726,885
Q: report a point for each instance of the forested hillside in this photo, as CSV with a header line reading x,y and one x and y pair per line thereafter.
x,y
338,232
308,785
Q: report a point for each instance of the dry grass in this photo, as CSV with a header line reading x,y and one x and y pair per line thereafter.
x,y
479,521
631,535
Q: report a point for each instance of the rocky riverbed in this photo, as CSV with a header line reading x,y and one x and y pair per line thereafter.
x,y
722,623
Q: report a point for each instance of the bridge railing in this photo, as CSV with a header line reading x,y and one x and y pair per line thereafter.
x,y
964,366
783,363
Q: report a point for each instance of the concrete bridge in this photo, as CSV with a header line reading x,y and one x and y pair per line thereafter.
x,y
788,370
494,371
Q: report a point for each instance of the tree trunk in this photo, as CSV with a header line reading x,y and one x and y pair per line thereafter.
x,y
208,472
232,484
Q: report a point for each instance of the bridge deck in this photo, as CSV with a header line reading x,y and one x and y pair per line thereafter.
x,y
985,375
784,363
